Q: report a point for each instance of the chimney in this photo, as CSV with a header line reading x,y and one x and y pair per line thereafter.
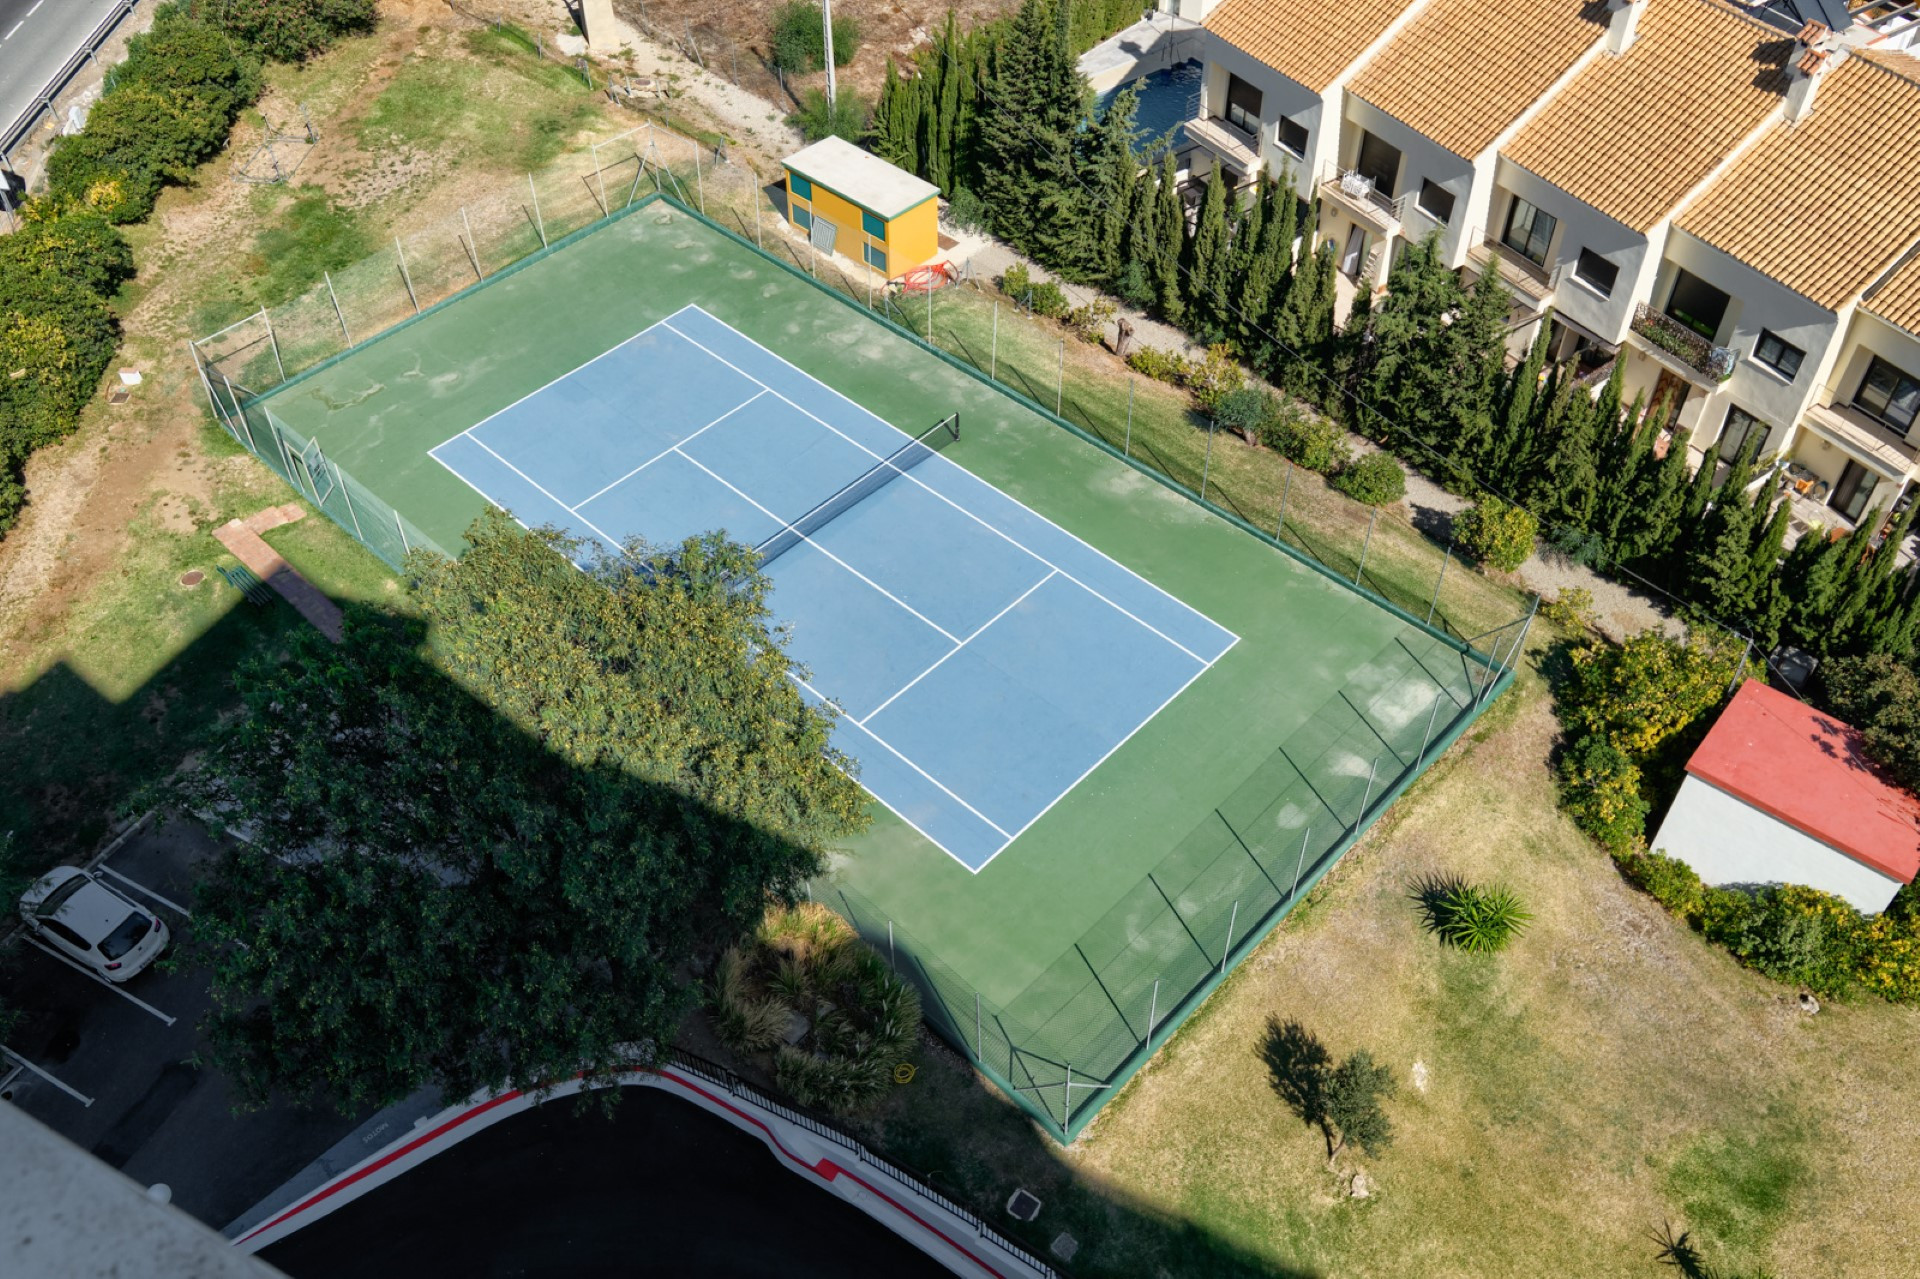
x,y
1623,23
1816,51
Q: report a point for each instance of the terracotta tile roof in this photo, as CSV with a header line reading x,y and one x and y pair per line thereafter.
x,y
1781,756
1464,70
1634,132
1825,206
1308,41
1896,299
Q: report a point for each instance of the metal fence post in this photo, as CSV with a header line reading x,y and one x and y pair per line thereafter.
x,y
1232,919
890,962
1066,1120
993,358
268,321
539,222
1153,1010
1368,799
337,313
1305,835
1280,525
1432,716
473,245
976,1028
346,491
405,277
1366,546
1126,449
593,148
402,526
699,178
1437,581
1206,470
1060,380
930,341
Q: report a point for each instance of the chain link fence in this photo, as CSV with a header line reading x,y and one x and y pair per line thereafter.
x,y
1097,1013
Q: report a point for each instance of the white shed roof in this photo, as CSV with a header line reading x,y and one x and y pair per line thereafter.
x,y
861,177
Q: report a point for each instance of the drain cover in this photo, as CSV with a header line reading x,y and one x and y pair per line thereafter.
x,y
192,577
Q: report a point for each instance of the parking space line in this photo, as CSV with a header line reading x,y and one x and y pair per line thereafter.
x,y
85,972
139,887
77,1095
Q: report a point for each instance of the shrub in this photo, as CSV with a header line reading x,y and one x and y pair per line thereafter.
x,y
1477,920
966,210
1375,480
1161,366
1880,696
180,55
1310,441
1351,1097
74,242
1642,693
1089,322
288,30
1247,412
1043,298
846,118
1571,609
1667,880
1213,376
1787,932
1495,533
1600,790
799,39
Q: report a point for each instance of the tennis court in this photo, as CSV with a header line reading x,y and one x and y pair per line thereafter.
x,y
1029,618
984,660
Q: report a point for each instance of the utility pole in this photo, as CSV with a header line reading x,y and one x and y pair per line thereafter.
x,y
826,21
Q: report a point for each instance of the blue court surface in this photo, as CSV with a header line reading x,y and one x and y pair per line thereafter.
x,y
984,659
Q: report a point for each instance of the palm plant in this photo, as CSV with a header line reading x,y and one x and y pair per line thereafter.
x,y
1478,920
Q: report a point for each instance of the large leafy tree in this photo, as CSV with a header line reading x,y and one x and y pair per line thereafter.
x,y
485,840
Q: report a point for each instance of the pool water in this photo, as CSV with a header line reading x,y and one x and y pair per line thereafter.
x,y
1168,97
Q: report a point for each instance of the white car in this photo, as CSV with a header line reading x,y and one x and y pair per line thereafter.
x,y
92,924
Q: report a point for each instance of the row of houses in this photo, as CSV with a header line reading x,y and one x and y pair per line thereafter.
x,y
1726,198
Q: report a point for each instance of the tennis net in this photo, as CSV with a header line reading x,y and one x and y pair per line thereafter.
x,y
871,481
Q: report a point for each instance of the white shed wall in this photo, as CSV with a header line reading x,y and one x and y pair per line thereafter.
x,y
1727,841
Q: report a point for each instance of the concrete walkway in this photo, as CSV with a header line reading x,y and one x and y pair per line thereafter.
x,y
242,537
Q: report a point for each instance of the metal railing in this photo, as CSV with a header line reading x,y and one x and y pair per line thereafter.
x,y
1358,188
43,100
1676,339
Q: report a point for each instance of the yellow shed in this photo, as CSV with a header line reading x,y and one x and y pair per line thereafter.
x,y
854,203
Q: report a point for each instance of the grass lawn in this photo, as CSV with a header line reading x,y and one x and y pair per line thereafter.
x,y
1608,1075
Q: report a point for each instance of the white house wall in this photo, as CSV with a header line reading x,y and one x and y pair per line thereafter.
x,y
1727,841
1421,159
1580,226
1279,96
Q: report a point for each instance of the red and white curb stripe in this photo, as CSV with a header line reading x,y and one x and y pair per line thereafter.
x,y
896,1204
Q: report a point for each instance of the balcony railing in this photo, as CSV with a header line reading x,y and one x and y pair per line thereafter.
x,y
1227,140
1357,194
1530,283
1667,334
1879,446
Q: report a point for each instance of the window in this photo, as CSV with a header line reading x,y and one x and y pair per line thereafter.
x,y
1782,357
1529,231
1733,435
1380,162
800,186
1596,272
1243,104
1697,304
877,257
802,217
1435,201
1890,394
127,936
1293,137
875,227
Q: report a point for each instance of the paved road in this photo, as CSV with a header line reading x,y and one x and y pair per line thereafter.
x,y
660,1187
36,38
155,1115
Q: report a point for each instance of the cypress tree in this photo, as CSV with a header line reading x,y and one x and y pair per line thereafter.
x,y
1113,174
896,121
1720,550
1248,227
1206,264
941,170
1572,472
1627,481
1170,225
1140,243
1036,103
1271,260
1656,528
1507,443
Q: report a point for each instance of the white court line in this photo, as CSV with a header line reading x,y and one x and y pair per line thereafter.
x,y
954,639
16,27
936,781
36,7
1001,533
610,541
563,377
89,973
957,647
139,887
74,1093
672,448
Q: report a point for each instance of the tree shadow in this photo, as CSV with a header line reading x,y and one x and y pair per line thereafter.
x,y
1297,1068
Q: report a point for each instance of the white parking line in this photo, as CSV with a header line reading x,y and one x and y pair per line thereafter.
x,y
78,1096
88,973
16,27
139,887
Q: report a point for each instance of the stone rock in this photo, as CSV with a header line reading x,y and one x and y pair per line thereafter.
x,y
1808,1004
1420,1076
1362,1187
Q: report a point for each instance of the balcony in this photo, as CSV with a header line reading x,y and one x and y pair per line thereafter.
x,y
1680,348
1233,145
1531,284
1867,440
1361,200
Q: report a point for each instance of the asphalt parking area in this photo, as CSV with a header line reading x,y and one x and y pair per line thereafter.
x,y
111,1067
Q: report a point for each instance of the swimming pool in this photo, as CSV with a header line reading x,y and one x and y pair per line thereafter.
x,y
1168,98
